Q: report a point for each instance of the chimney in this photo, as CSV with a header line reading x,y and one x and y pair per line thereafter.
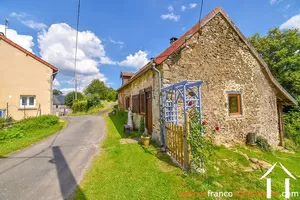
x,y
173,39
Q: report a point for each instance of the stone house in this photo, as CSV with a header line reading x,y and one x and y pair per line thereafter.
x,y
25,82
239,94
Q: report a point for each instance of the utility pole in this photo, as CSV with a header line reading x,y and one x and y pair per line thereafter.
x,y
75,60
75,88
5,26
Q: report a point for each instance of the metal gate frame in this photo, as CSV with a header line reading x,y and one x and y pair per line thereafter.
x,y
188,91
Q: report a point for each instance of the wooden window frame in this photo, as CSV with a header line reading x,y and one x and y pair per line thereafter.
x,y
142,93
239,101
126,107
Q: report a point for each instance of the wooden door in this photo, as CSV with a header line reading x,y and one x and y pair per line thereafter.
x,y
148,119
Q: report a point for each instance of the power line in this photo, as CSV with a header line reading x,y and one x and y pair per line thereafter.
x,y
200,15
75,60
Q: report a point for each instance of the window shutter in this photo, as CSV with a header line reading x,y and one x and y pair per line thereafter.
x,y
136,103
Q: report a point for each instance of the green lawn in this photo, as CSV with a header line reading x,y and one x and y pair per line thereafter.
x,y
31,136
130,171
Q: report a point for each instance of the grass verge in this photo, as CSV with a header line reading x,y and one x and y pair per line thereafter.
x,y
131,171
26,133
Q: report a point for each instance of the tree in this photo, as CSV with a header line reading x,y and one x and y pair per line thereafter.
x,y
57,92
69,98
97,87
280,49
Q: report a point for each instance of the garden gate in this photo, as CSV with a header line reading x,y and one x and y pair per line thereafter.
x,y
177,100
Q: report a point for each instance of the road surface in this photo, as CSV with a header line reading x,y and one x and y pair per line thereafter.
x,y
52,168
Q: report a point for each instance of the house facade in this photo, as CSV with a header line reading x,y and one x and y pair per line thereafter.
x,y
239,94
25,82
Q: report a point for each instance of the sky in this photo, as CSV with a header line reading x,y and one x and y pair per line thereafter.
x,y
117,36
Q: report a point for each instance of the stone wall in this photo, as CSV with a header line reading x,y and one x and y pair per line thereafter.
x,y
220,58
148,79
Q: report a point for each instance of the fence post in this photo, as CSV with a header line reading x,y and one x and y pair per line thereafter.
x,y
187,135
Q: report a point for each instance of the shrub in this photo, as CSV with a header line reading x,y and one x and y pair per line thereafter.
x,y
22,128
80,106
263,144
93,100
292,127
201,145
290,145
142,125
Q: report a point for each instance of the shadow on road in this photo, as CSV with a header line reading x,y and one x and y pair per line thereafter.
x,y
66,179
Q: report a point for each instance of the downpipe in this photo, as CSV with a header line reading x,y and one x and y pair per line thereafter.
x,y
51,91
160,101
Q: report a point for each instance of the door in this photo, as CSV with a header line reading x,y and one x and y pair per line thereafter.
x,y
149,111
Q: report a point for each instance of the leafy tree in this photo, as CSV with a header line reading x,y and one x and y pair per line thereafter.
x,y
280,49
57,92
97,87
69,98
93,100
112,95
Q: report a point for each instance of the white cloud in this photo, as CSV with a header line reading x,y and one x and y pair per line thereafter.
x,y
293,22
56,83
183,8
25,41
68,90
107,61
138,60
24,18
170,8
115,41
170,16
57,46
272,2
193,5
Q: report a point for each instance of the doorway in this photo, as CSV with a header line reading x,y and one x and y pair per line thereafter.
x,y
148,116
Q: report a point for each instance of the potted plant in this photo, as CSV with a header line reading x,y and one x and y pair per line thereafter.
x,y
146,138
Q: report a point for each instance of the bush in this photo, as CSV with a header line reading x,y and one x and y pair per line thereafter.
x,y
80,106
263,144
290,145
292,127
22,128
93,100
142,125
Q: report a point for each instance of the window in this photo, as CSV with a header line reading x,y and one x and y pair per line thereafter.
x,y
136,103
127,103
234,104
142,103
27,102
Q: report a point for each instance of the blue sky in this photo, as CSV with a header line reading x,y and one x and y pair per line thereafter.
x,y
119,35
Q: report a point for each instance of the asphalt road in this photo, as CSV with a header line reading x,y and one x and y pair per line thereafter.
x,y
52,168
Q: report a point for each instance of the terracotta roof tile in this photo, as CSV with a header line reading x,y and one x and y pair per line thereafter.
x,y
172,48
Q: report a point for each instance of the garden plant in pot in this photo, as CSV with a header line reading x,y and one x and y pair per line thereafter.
x,y
145,138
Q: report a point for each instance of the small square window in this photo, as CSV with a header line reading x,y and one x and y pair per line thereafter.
x,y
27,101
234,104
